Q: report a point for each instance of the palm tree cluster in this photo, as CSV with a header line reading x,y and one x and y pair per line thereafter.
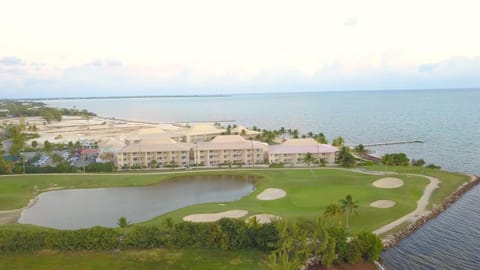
x,y
346,206
269,136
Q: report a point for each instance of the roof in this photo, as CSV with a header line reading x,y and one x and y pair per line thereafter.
x,y
301,146
161,145
229,142
239,129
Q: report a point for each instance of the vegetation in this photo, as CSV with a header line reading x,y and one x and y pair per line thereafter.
x,y
345,158
360,149
348,207
395,159
338,142
309,159
25,109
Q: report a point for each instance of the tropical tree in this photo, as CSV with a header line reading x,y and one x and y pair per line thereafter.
x,y
308,159
47,147
153,163
57,159
339,141
344,157
349,207
34,144
122,222
360,149
334,212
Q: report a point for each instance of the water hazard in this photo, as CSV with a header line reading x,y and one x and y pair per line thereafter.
x,y
82,208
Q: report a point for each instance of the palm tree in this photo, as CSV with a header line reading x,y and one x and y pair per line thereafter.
x,y
57,159
349,207
308,159
334,211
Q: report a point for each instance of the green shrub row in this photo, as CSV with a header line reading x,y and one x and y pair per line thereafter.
x,y
225,234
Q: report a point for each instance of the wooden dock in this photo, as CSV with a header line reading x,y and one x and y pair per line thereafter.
x,y
392,143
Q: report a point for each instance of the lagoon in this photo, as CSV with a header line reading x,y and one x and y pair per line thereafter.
x,y
83,208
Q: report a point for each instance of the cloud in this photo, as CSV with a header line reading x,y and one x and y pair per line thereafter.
x,y
350,22
11,61
105,63
428,67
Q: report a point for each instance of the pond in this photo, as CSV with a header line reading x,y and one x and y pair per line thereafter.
x,y
83,208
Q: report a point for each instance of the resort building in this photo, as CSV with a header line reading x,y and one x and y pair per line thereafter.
x,y
161,152
293,151
229,149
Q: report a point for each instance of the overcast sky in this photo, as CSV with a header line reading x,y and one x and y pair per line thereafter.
x,y
100,48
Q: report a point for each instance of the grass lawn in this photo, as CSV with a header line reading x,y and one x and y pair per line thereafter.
x,y
308,192
135,259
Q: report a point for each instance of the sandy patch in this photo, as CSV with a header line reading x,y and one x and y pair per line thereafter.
x,y
215,216
271,194
383,204
388,182
10,216
264,218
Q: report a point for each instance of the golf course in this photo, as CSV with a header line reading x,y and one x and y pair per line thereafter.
x,y
383,194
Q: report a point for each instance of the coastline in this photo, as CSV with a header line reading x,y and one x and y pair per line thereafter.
x,y
394,239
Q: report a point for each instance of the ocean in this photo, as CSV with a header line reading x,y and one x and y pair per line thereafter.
x,y
448,121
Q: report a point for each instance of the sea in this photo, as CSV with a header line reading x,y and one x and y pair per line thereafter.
x,y
447,121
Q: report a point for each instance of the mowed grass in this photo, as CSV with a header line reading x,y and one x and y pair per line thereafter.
x,y
310,191
135,259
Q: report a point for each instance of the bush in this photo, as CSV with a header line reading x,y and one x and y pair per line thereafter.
x,y
143,237
370,246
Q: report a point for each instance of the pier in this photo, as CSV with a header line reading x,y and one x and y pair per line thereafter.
x,y
391,143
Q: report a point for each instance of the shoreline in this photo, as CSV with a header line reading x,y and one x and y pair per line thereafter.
x,y
395,238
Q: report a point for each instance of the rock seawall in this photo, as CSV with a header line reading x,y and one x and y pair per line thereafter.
x,y
457,194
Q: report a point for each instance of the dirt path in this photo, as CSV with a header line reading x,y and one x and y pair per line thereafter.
x,y
419,211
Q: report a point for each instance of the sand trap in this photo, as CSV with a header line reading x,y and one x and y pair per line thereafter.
x,y
388,182
216,216
271,194
383,204
264,218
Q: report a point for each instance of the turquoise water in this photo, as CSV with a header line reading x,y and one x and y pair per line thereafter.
x,y
447,120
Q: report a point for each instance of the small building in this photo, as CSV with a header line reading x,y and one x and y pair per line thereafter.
x,y
230,149
293,151
162,152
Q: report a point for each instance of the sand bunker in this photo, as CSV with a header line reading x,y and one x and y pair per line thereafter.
x,y
216,216
264,218
383,204
388,182
271,194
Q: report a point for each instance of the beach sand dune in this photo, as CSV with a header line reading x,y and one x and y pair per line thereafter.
x,y
215,216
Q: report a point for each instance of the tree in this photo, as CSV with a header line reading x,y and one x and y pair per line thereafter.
x,y
153,163
395,159
47,147
418,162
338,141
345,158
320,137
348,207
334,212
308,159
57,159
123,222
34,144
360,149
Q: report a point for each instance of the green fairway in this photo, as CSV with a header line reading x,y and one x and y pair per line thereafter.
x,y
135,259
308,192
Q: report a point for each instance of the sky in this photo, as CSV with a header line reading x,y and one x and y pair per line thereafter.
x,y
64,48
